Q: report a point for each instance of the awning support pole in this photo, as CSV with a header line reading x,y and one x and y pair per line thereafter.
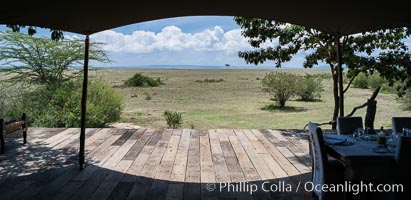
x,y
83,104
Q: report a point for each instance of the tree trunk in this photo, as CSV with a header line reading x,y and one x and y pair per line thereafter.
x,y
336,99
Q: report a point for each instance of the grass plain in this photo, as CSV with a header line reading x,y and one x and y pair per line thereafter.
x,y
233,103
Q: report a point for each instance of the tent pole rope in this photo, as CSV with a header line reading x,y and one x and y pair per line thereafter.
x,y
340,76
83,103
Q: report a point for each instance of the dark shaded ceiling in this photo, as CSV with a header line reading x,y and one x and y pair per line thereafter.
x,y
86,17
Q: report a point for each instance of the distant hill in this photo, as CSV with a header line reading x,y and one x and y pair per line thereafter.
x,y
203,67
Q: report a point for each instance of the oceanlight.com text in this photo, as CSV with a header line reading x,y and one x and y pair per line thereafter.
x,y
282,186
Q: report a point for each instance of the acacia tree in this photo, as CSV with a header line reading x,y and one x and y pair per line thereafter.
x,y
42,60
381,51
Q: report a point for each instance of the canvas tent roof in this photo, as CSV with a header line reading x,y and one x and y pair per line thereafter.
x,y
87,17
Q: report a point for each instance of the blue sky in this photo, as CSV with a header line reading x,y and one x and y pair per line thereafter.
x,y
201,40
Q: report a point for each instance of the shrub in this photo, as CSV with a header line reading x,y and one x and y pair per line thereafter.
x,y
309,87
148,96
59,106
280,85
375,81
173,119
360,81
405,100
139,80
210,80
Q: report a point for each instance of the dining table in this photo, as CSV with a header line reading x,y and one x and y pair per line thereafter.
x,y
362,158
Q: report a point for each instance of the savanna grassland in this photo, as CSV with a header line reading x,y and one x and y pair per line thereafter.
x,y
234,101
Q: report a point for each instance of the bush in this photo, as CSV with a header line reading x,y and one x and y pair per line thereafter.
x,y
173,119
148,96
360,81
405,100
280,85
210,80
375,81
139,80
309,87
59,106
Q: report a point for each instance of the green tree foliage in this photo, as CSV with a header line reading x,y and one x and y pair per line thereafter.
x,y
44,61
280,85
139,80
309,87
173,119
381,51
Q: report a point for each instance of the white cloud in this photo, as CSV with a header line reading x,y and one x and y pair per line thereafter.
x,y
172,38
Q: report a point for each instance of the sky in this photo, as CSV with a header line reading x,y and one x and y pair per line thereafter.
x,y
200,40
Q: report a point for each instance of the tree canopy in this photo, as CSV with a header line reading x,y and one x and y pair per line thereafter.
x,y
42,60
382,51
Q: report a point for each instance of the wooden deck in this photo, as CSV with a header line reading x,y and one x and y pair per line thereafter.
x,y
156,164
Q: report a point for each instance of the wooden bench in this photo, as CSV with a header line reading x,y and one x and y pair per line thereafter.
x,y
13,126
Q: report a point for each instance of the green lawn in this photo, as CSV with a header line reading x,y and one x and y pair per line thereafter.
x,y
234,103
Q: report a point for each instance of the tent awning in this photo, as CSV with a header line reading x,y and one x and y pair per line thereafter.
x,y
87,17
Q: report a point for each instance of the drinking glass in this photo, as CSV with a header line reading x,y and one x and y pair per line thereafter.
x,y
357,134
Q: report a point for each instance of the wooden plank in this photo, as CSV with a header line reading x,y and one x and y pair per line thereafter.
x,y
207,167
177,132
192,188
121,191
68,190
46,133
99,155
142,157
159,185
246,165
255,158
234,169
124,137
180,164
95,153
222,174
220,166
111,181
277,155
273,165
139,145
151,166
39,184
138,134
175,191
292,158
90,185
298,149
258,163
51,188
119,154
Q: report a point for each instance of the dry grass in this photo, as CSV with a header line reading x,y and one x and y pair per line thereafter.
x,y
234,103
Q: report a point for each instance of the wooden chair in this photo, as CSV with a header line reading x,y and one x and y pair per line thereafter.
x,y
17,125
347,125
324,170
398,123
